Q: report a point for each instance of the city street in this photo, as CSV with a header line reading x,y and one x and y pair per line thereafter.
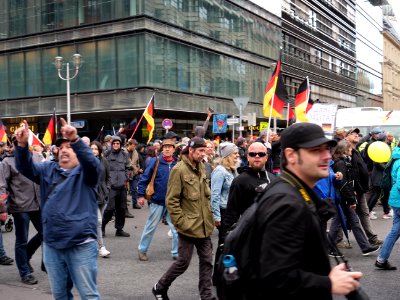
x,y
123,276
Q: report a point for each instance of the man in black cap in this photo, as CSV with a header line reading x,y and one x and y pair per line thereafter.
x,y
119,167
292,252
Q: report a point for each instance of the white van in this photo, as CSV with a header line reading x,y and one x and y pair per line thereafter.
x,y
366,118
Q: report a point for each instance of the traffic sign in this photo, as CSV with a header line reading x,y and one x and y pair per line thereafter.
x,y
232,121
166,124
241,101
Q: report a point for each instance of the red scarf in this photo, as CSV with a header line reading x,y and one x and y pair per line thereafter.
x,y
168,159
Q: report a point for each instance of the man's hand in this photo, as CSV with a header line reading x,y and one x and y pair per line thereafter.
x,y
67,131
338,176
343,282
3,217
140,201
22,134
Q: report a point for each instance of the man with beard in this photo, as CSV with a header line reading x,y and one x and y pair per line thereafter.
x,y
243,189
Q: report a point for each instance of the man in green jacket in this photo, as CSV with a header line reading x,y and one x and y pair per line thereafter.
x,y
188,203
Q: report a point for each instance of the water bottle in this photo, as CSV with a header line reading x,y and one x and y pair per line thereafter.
x,y
231,274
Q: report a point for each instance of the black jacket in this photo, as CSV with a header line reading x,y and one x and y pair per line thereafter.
x,y
293,257
361,177
104,186
346,189
242,193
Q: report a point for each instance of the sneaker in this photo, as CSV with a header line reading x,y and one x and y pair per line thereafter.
x,y
377,242
174,257
335,254
103,252
370,250
29,279
387,216
344,245
129,215
143,256
122,233
385,266
6,261
160,294
372,215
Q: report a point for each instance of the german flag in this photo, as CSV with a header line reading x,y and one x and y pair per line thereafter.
x,y
275,94
301,104
3,134
51,131
148,115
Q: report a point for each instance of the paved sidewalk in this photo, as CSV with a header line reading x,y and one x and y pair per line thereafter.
x,y
15,292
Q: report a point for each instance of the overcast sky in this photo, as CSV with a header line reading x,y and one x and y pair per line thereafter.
x,y
396,9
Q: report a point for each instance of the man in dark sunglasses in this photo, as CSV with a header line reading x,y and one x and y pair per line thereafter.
x,y
243,187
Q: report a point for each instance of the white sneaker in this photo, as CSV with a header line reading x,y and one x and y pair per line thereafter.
x,y
103,252
372,215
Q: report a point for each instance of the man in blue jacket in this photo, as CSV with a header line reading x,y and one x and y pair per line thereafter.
x,y
69,211
164,163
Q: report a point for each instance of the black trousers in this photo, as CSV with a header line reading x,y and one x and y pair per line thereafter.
x,y
117,202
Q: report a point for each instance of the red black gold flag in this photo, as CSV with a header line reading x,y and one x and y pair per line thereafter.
x,y
51,132
148,115
275,94
301,104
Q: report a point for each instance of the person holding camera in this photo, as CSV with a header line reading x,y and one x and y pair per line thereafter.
x,y
342,158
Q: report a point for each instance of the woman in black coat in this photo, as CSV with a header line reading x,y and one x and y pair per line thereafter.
x,y
348,201
104,187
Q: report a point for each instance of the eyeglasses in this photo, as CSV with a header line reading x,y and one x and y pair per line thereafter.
x,y
254,154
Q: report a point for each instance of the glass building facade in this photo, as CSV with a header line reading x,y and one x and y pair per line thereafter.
x,y
319,41
369,54
193,53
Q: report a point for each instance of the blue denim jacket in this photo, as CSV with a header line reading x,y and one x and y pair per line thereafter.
x,y
221,180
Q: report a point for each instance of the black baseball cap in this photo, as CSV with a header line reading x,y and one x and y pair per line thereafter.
x,y
356,130
304,135
60,141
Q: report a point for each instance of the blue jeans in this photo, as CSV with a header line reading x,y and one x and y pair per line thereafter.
x,y
156,213
392,237
2,251
24,250
133,188
72,266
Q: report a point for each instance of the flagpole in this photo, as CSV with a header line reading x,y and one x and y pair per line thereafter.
x,y
270,115
140,120
287,115
98,136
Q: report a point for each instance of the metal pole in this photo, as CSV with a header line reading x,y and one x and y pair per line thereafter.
x,y
240,120
68,97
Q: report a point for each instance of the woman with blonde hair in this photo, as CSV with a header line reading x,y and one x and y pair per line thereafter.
x,y
221,180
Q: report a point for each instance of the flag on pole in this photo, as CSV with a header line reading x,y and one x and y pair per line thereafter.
x,y
148,115
291,117
301,103
275,94
51,132
3,134
309,104
33,140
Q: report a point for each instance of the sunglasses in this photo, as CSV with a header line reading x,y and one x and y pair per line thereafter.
x,y
254,154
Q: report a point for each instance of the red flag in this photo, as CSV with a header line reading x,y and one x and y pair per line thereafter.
x,y
51,131
301,103
3,134
275,94
33,140
148,115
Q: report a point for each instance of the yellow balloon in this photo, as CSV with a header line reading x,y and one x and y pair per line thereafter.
x,y
379,152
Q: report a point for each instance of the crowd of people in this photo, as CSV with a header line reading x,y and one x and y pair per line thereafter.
x,y
71,191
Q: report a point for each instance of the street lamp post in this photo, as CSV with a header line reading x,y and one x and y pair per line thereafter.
x,y
59,64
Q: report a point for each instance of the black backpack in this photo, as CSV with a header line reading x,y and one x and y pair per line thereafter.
x,y
386,181
242,242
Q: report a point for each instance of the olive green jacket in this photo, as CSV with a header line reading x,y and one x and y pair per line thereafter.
x,y
188,199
